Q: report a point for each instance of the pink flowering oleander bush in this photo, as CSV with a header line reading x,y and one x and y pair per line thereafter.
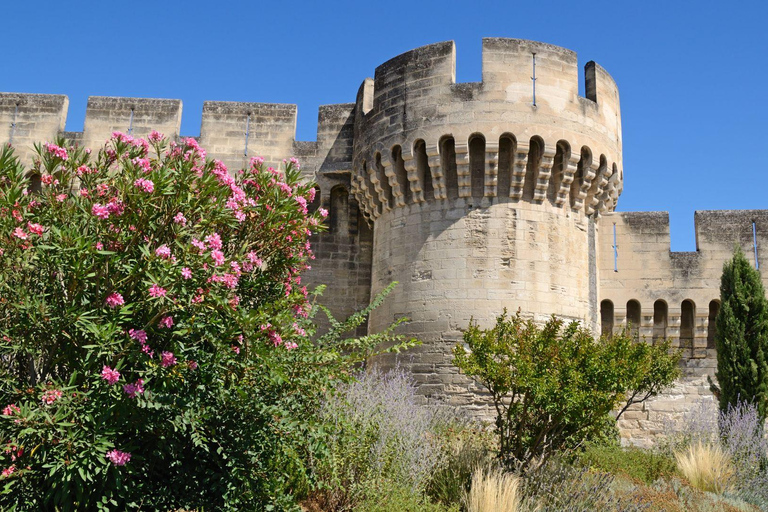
x,y
157,349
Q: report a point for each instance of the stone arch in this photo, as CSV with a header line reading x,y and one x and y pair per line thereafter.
x,y
535,152
714,310
582,168
660,316
606,318
401,174
423,171
384,180
339,214
448,164
687,324
507,148
634,318
477,164
562,155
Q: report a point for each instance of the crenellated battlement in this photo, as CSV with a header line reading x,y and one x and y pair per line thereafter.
x,y
231,131
420,136
678,280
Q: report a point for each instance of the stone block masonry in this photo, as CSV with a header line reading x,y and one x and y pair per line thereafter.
x,y
475,197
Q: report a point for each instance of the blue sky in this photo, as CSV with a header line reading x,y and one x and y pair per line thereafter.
x,y
693,76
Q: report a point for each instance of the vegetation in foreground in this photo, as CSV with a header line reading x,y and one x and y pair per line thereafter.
x,y
158,352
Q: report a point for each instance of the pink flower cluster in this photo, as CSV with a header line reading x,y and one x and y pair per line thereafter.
x,y
8,471
118,458
140,335
50,396
134,389
163,251
146,185
114,300
57,151
34,228
180,219
157,291
11,409
110,375
167,359
166,322
142,163
100,211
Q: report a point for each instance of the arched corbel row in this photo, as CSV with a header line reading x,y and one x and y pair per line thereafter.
x,y
395,177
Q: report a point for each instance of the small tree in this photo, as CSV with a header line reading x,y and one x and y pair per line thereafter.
x,y
552,387
741,336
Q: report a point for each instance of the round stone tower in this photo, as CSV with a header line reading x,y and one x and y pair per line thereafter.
x,y
484,196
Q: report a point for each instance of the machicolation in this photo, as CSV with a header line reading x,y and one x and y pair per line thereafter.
x,y
474,197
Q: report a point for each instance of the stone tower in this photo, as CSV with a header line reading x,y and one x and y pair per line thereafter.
x,y
484,195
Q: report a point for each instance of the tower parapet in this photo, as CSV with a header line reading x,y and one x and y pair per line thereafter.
x,y
420,136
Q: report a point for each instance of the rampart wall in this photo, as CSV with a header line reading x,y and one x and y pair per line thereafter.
x,y
676,295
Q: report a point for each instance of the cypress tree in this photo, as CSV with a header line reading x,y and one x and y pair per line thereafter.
x,y
741,336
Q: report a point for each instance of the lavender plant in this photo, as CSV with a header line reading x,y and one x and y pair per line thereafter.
x,y
379,434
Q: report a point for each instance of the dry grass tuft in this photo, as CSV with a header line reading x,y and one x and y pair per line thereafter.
x,y
494,491
706,467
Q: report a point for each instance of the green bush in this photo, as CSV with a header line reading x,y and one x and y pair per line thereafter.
x,y
639,464
553,386
156,349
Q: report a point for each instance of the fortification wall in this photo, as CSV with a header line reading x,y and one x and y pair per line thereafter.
x,y
675,295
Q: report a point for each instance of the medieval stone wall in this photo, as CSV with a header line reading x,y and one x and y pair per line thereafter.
x,y
474,196
662,294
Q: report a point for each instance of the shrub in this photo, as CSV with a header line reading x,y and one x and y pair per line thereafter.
x,y
741,336
155,345
493,491
552,387
639,464
706,467
379,437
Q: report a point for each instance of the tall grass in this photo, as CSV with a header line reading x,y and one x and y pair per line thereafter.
x,y
706,466
494,491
